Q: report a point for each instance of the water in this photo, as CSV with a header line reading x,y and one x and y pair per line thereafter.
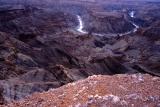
x,y
132,14
136,27
81,25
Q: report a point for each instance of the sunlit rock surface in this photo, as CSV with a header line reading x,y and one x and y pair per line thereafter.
x,y
100,91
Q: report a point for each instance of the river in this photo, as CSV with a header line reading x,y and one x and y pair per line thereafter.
x,y
80,27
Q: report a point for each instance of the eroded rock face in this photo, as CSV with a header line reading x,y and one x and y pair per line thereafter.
x,y
3,37
120,46
99,91
153,33
37,80
108,23
40,50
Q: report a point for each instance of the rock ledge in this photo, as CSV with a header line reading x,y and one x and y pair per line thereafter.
x,y
135,90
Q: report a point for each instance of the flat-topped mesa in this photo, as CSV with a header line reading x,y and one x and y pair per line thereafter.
x,y
107,14
11,8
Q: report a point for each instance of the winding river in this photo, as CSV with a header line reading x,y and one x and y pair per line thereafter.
x,y
132,15
80,27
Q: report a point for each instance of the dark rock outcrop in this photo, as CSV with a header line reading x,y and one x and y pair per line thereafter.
x,y
108,22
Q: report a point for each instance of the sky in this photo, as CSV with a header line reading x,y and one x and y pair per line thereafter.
x,y
51,1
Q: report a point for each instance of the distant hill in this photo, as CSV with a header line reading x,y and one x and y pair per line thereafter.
x,y
61,1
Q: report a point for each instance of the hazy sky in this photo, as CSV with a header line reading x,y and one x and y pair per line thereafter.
x,y
51,1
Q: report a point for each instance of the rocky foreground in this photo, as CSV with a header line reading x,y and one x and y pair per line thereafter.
x,y
100,91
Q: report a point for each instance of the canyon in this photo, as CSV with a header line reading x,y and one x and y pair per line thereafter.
x,y
49,48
